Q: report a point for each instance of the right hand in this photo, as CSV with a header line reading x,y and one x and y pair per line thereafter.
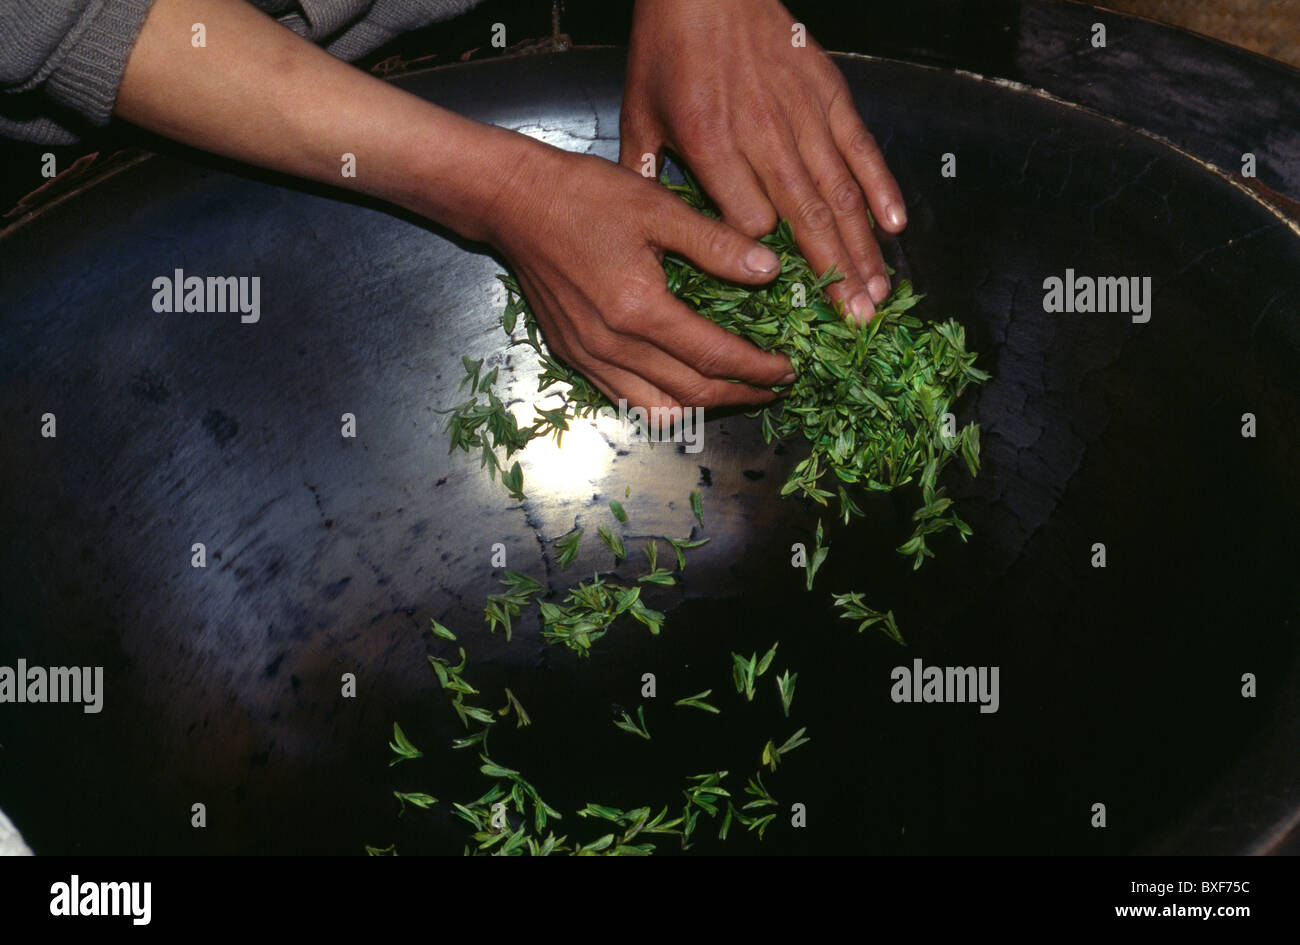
x,y
586,239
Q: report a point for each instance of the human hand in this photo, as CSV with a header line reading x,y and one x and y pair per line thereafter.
x,y
768,128
584,235
586,239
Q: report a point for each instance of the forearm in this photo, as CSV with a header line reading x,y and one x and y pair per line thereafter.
x,y
261,94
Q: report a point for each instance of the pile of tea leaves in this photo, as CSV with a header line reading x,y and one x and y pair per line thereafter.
x,y
873,402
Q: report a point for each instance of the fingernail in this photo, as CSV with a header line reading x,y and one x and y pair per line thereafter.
x,y
879,288
895,215
860,305
762,261
788,379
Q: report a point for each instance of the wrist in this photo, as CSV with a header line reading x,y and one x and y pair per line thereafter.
x,y
468,175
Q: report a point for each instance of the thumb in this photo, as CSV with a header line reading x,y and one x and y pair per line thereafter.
x,y
716,247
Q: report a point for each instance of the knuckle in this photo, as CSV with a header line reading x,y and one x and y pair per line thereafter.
x,y
846,196
624,320
620,320
694,393
601,346
816,215
862,144
712,359
720,241
757,221
628,313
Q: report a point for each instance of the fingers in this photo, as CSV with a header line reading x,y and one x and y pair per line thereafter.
x,y
867,164
711,351
726,176
842,193
622,364
694,372
682,382
684,391
617,384
659,380
815,225
563,339
714,246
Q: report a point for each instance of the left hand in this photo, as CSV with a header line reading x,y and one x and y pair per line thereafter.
x,y
768,128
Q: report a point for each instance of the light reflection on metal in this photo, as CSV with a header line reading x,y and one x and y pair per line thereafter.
x,y
571,471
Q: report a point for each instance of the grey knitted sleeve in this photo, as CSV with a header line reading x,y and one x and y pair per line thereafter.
x,y
61,61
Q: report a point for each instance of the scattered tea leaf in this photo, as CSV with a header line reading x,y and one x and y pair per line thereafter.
x,y
855,608
568,547
402,747
423,801
521,717
637,727
816,559
613,542
697,702
785,685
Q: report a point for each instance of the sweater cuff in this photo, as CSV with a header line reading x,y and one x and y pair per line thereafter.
x,y
88,78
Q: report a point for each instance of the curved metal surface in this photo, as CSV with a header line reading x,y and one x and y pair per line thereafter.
x,y
328,555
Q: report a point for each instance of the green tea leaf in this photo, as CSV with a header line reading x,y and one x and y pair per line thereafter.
x,y
521,717
785,685
816,559
423,801
613,542
856,609
637,727
681,546
568,547
697,702
440,630
402,747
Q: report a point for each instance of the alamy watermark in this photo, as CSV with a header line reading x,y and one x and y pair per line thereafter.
x,y
1130,295
658,424
84,684
77,898
181,293
919,683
